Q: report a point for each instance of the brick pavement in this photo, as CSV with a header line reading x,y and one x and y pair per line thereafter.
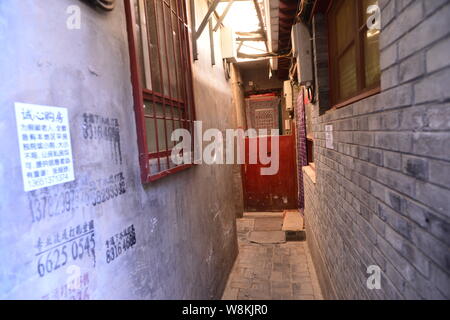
x,y
271,272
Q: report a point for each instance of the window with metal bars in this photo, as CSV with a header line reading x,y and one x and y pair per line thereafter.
x,y
162,81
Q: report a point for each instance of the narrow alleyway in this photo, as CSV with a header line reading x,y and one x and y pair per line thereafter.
x,y
135,133
278,271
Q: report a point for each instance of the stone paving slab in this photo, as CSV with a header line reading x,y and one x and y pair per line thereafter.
x,y
267,237
271,271
268,224
293,221
257,215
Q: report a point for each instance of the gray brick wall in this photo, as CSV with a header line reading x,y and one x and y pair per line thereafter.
x,y
382,196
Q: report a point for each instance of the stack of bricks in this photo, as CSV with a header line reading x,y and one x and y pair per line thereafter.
x,y
382,195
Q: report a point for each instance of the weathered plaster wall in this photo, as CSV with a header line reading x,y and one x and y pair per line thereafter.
x,y
382,194
184,224
239,104
258,72
237,84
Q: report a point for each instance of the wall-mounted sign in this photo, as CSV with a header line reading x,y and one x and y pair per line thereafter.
x,y
44,143
329,137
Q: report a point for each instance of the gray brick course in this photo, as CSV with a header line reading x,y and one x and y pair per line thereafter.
x,y
382,196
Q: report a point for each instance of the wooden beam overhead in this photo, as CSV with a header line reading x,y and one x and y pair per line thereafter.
x,y
261,22
250,34
224,14
205,21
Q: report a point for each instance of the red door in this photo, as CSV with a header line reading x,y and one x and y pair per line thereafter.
x,y
271,192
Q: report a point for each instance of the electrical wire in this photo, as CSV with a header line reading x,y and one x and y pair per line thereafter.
x,y
107,5
300,9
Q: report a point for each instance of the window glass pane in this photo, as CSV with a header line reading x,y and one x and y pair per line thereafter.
x,y
154,165
149,109
159,110
142,44
168,110
345,25
372,57
162,46
138,40
169,128
172,112
151,137
164,165
177,113
162,135
170,34
177,124
154,168
347,74
177,51
154,52
371,50
188,109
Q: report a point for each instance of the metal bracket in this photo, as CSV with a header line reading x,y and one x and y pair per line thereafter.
x,y
211,42
197,33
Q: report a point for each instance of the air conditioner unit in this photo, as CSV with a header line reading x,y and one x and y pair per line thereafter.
x,y
302,50
229,50
287,92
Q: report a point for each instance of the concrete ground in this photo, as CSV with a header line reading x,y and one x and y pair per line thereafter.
x,y
271,271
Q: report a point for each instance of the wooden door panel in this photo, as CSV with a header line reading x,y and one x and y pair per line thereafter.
x,y
271,193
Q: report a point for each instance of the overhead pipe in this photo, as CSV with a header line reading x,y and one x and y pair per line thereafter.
x,y
107,5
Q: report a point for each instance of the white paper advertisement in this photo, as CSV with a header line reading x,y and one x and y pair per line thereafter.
x,y
45,148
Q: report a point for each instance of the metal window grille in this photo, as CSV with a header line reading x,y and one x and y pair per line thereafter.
x,y
162,81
